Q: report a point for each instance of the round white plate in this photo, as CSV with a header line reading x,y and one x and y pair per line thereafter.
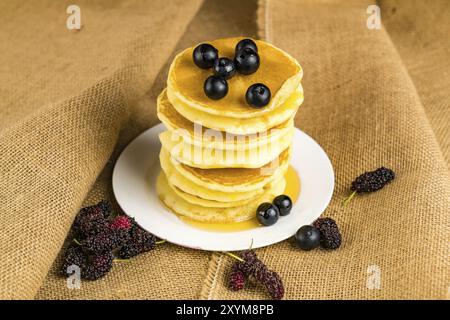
x,y
134,180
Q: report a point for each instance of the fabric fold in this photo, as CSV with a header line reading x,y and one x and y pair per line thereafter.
x,y
419,32
67,95
169,272
363,108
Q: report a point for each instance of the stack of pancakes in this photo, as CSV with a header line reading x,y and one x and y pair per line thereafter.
x,y
221,158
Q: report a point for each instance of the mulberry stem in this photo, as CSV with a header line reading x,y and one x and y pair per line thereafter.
x,y
349,198
234,256
76,241
160,242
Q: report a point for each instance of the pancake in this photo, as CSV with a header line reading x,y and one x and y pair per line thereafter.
x,y
232,179
255,124
206,214
199,135
277,70
219,204
210,158
221,159
184,184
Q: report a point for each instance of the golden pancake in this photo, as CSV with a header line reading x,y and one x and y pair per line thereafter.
x,y
278,70
199,135
234,179
177,179
207,214
255,124
210,158
219,204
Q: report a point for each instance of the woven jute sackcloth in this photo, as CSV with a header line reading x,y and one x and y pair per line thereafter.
x,y
72,100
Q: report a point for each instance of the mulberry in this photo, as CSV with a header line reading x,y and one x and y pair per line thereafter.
x,y
74,255
253,267
274,285
330,237
371,181
249,258
121,222
106,241
237,280
98,266
105,207
140,241
91,220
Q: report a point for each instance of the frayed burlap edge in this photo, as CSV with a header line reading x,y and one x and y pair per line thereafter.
x,y
211,276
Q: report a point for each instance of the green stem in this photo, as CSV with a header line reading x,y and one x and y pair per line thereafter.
x,y
76,241
234,256
349,198
160,241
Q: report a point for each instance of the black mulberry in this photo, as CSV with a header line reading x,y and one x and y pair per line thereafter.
x,y
98,266
106,241
371,181
74,255
91,220
330,237
274,285
255,268
140,241
105,207
247,266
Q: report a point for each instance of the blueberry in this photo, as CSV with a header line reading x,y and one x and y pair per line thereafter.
x,y
307,237
204,55
258,95
246,61
267,214
215,87
284,204
246,43
224,68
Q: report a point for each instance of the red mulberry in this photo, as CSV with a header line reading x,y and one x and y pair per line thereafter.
x,y
121,222
237,280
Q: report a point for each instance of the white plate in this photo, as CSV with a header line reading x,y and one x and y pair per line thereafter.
x,y
134,180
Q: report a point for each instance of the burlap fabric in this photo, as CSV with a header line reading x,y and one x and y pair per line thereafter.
x,y
66,95
419,32
70,101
